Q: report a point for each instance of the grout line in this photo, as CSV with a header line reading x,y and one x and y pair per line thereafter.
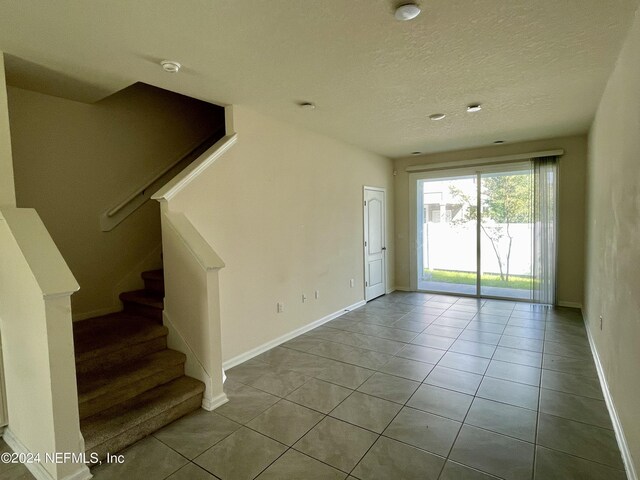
x,y
274,460
318,460
548,321
183,456
462,424
584,459
445,351
535,438
576,421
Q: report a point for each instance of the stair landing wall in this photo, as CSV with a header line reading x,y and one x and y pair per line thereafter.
x,y
97,155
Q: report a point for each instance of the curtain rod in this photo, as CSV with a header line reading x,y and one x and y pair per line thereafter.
x,y
485,161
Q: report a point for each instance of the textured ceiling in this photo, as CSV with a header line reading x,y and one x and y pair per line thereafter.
x,y
538,66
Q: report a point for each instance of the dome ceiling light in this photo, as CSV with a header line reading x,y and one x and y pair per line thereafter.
x,y
406,12
170,66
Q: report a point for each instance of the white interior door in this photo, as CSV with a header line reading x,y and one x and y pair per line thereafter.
x,y
375,268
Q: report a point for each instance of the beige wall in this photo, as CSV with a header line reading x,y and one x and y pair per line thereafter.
x,y
571,208
613,232
283,209
7,190
73,161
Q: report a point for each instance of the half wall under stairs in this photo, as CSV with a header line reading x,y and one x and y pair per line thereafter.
x,y
129,383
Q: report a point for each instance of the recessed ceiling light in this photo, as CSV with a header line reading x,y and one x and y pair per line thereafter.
x,y
408,11
437,116
416,153
499,142
474,107
170,66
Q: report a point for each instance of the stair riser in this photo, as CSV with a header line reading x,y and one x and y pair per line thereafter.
x,y
144,310
125,392
154,285
101,362
139,431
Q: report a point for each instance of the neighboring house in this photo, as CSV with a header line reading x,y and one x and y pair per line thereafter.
x,y
273,211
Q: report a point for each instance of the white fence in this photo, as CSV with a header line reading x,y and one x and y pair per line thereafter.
x,y
453,247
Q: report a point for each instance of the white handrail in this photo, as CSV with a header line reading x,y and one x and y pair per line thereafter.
x,y
198,246
191,171
158,175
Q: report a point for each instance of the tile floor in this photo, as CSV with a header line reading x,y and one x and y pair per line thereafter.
x,y
12,471
410,386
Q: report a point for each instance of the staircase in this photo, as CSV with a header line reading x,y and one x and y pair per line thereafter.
x,y
129,383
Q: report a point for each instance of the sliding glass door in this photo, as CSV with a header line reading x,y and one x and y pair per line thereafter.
x,y
448,234
480,231
506,233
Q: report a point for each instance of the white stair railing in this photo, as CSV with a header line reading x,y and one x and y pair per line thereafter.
x,y
192,298
116,214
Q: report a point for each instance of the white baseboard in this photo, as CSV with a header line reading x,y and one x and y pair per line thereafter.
x,y
243,357
570,305
560,303
403,289
37,469
210,404
615,420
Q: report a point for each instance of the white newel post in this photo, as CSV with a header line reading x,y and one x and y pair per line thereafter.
x,y
192,303
38,353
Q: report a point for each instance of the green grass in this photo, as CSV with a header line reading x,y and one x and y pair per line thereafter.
x,y
520,282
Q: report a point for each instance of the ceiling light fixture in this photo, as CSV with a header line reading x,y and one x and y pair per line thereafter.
x,y
170,66
416,153
408,11
307,105
499,142
474,107
437,116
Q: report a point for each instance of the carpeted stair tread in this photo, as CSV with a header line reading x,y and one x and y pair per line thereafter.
x,y
110,333
97,392
153,275
154,281
138,432
129,418
143,297
129,383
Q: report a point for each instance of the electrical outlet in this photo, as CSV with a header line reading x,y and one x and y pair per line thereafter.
x,y
317,294
600,322
304,298
280,307
352,283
